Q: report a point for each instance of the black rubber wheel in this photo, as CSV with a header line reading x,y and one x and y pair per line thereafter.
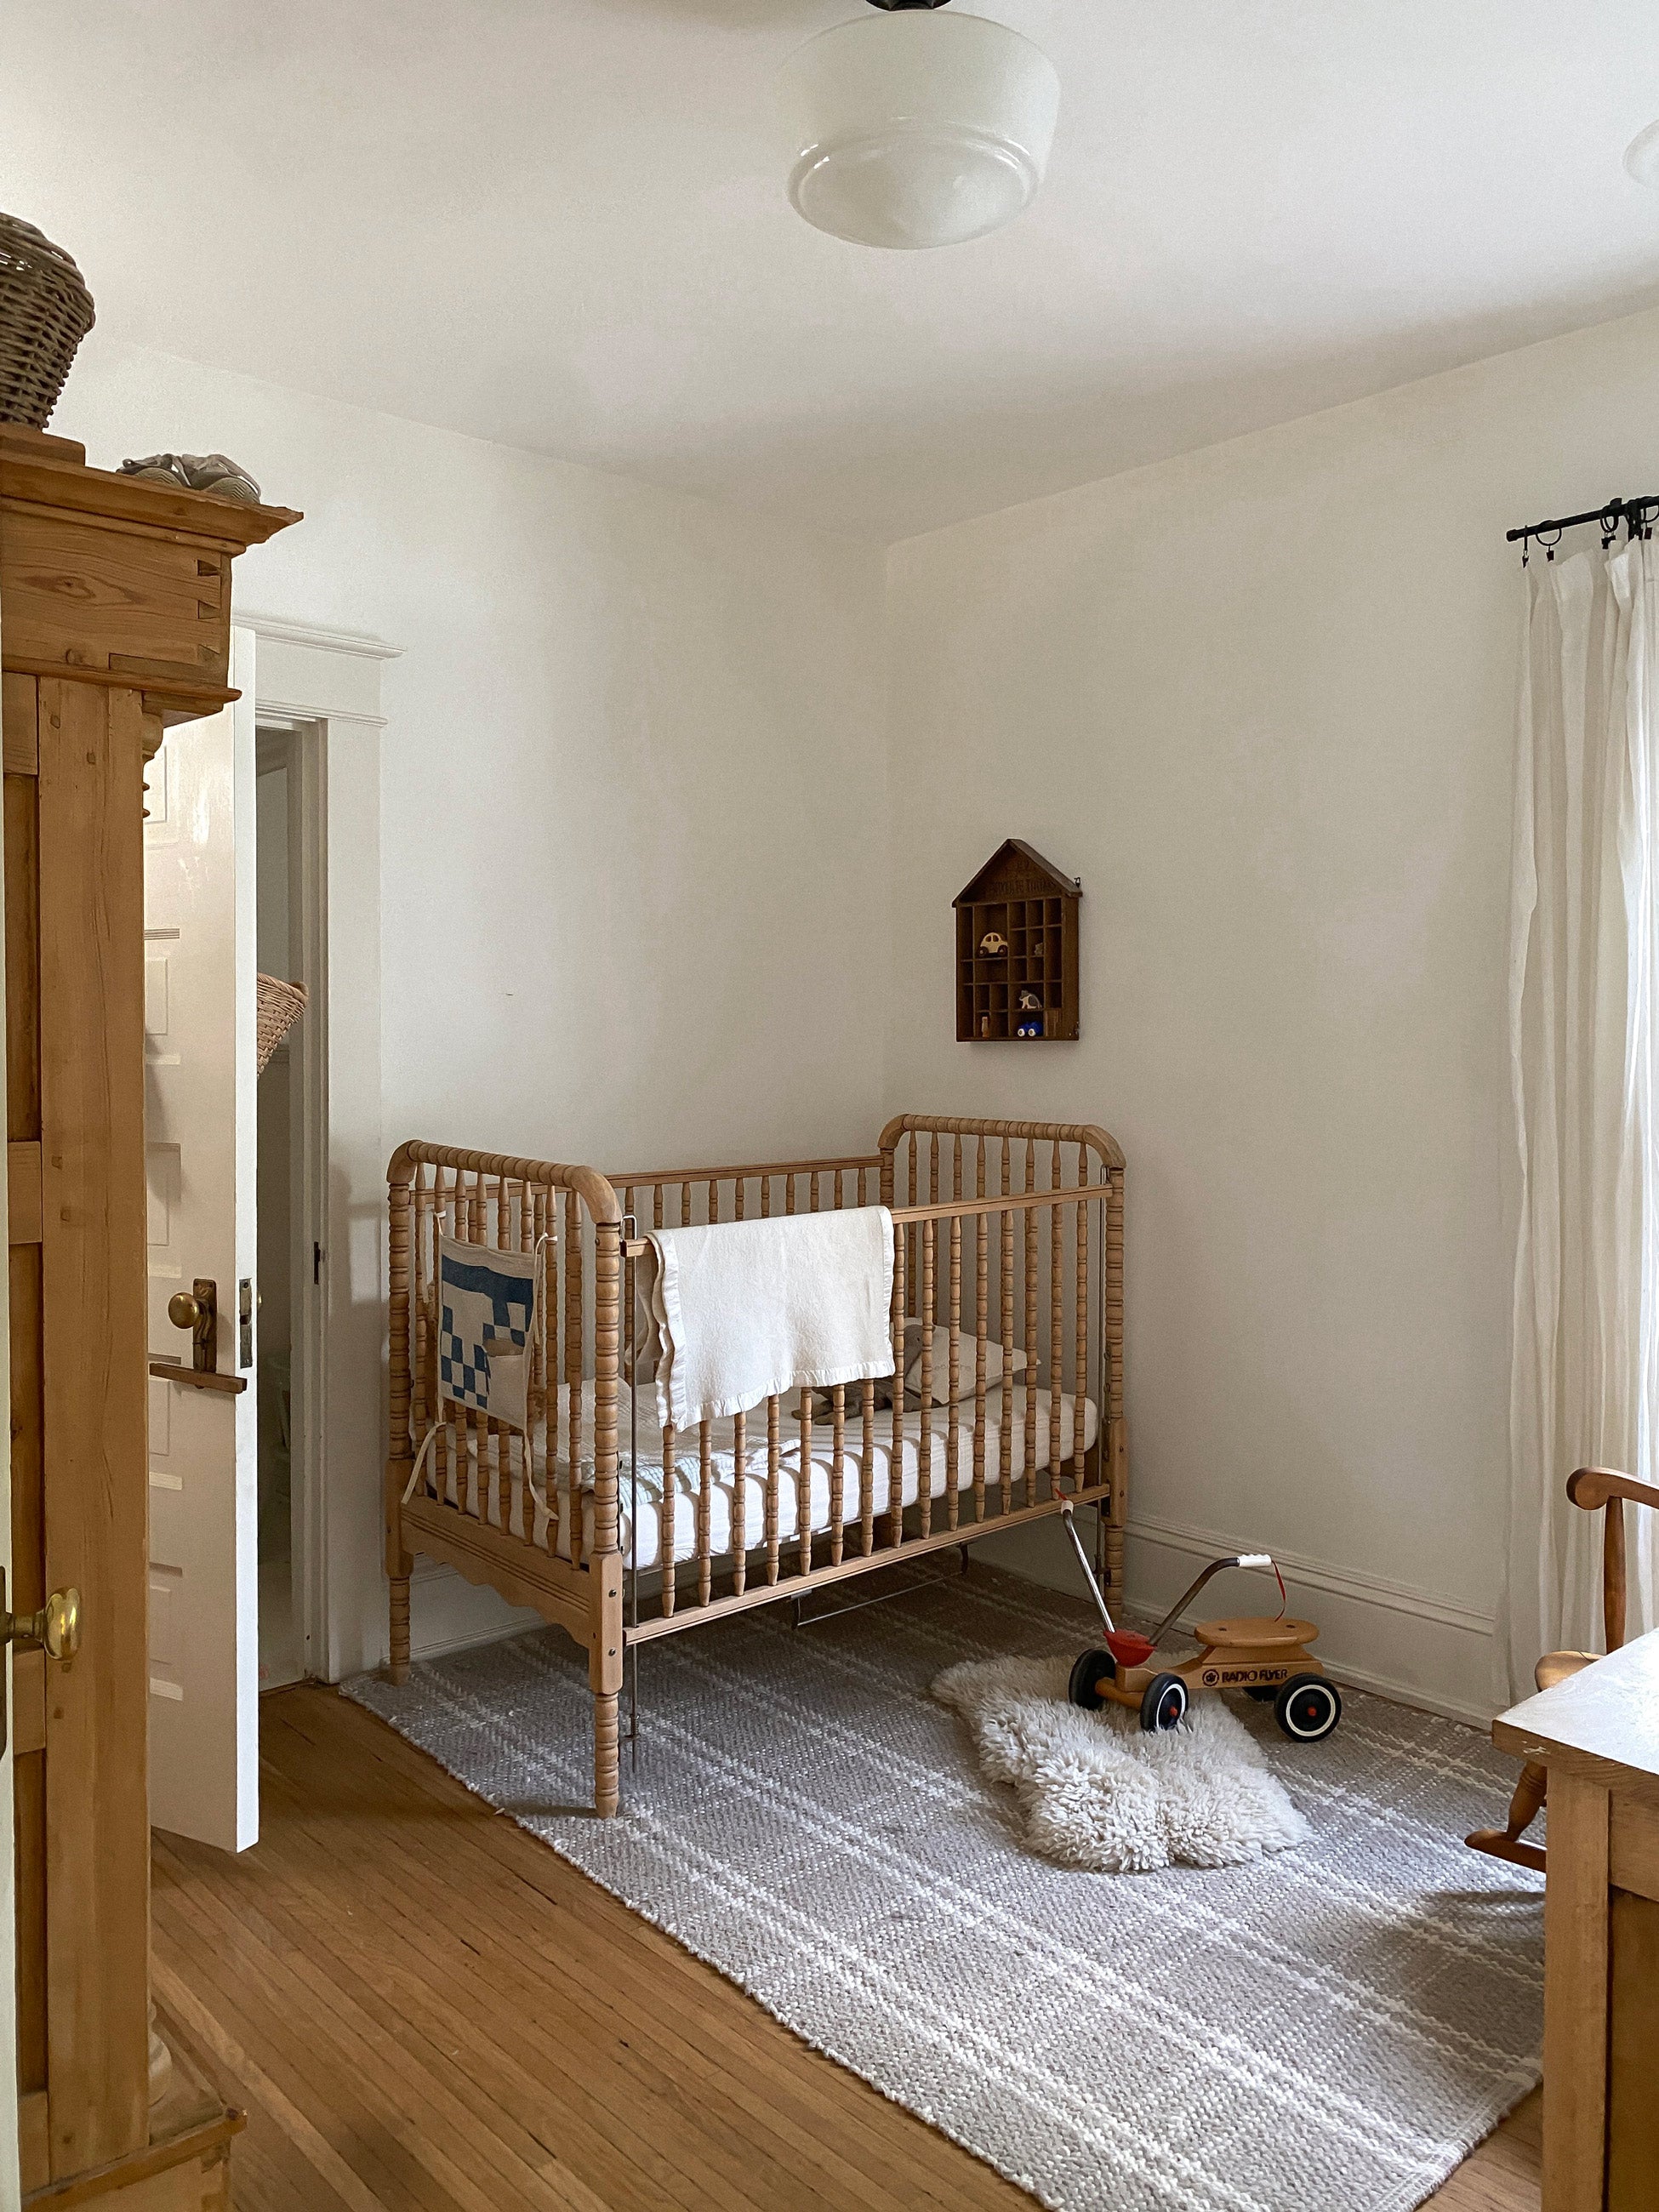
x,y
1083,1689
1308,1708
1164,1706
1264,1694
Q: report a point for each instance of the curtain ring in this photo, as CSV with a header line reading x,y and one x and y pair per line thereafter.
x,y
1550,544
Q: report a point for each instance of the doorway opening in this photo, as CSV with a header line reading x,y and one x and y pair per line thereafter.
x,y
287,1171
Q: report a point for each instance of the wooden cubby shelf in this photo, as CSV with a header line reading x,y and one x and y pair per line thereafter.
x,y
1016,950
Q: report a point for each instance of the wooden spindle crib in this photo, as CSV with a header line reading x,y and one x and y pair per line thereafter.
x,y
618,1549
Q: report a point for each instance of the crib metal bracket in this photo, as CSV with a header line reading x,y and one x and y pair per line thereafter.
x,y
925,1582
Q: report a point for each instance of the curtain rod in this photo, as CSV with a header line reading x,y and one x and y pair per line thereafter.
x,y
1630,511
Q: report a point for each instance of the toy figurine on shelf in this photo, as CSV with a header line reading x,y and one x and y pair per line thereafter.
x,y
1031,1001
992,944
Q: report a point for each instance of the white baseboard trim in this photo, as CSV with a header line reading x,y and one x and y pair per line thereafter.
x,y
1314,1574
468,1639
1475,1714
449,1613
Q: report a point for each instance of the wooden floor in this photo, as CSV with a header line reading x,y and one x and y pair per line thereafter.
x,y
419,2006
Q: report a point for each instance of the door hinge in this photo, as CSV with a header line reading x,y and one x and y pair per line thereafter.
x,y
316,1263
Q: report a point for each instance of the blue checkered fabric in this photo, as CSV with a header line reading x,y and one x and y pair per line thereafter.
x,y
485,1298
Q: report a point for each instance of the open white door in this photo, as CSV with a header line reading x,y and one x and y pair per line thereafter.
x,y
201,1132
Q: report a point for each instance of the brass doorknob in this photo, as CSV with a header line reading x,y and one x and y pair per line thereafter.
x,y
198,1310
55,1628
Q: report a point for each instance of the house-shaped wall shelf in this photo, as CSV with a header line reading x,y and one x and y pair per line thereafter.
x,y
1016,949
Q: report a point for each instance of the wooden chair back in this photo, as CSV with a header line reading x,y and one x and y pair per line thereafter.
x,y
1593,1486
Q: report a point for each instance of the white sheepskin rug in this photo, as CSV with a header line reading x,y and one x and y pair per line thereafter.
x,y
1094,1791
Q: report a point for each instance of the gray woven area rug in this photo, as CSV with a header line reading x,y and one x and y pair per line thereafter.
x,y
1328,2029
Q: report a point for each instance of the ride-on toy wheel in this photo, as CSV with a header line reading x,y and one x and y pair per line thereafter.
x,y
1083,1689
1163,1705
1308,1708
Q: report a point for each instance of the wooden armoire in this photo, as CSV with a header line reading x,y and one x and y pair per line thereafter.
x,y
114,623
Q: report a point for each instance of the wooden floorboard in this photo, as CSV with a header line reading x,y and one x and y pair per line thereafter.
x,y
423,2009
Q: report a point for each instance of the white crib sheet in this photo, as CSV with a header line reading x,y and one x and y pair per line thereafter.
x,y
484,1494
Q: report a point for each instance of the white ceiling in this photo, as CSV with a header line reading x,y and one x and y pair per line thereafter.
x,y
561,224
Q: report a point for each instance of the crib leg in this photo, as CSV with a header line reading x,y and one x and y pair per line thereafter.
x,y
607,1765
1114,1579
399,1628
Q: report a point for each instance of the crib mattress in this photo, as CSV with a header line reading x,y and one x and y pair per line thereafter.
x,y
725,1489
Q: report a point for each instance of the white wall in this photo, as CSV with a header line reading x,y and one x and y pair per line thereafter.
x,y
639,892
633,894
1261,699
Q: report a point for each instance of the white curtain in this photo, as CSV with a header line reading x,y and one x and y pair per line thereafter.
x,y
1583,979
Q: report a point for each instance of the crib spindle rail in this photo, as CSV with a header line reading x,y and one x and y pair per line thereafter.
x,y
1007,1397
838,1492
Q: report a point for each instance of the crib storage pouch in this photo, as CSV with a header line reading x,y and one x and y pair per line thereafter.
x,y
486,1318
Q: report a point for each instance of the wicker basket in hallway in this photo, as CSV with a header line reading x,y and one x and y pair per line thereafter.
x,y
280,1006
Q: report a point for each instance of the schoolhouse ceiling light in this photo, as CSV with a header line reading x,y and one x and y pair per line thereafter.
x,y
914,128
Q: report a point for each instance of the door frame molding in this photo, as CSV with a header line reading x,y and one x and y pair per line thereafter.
x,y
323,686
302,748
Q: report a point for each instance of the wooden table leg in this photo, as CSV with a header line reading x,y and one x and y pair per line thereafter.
x,y
1633,2054
1576,1997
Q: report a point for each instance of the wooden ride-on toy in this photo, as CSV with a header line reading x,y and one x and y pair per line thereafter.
x,y
1266,1659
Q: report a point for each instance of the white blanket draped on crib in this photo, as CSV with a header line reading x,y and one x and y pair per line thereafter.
x,y
745,1310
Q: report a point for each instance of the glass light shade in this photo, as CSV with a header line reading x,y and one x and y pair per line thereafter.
x,y
1642,156
920,128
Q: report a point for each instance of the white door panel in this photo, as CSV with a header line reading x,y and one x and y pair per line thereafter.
x,y
200,1133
